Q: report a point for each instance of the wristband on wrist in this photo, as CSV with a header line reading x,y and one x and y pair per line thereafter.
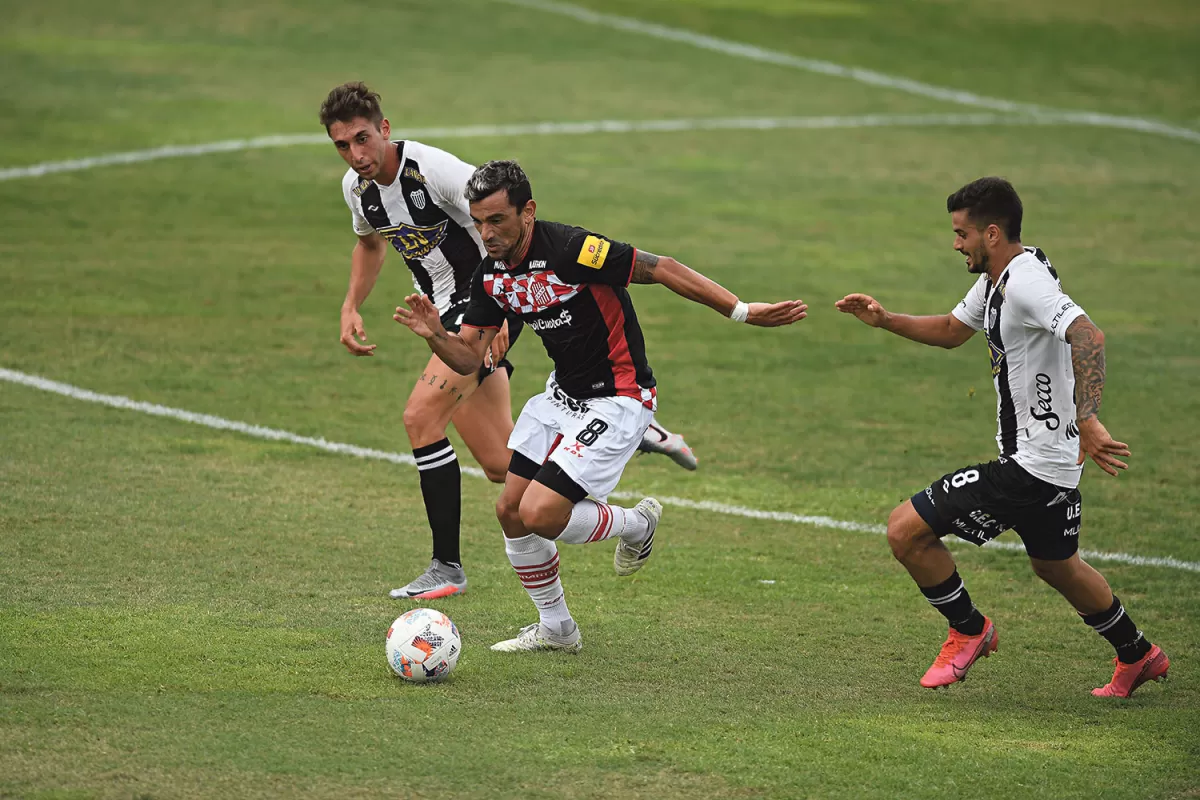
x,y
740,312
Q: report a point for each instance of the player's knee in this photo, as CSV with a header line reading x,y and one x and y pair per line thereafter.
x,y
508,509
1052,572
541,518
422,424
901,535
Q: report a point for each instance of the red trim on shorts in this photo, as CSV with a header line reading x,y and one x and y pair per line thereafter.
x,y
624,373
550,452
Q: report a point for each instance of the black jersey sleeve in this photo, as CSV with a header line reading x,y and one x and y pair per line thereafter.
x,y
483,310
592,258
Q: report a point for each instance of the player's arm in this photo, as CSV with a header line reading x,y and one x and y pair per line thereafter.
x,y
1087,362
463,352
686,282
943,330
365,263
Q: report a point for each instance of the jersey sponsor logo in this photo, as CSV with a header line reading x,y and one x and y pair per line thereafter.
x,y
530,292
1045,399
593,252
418,198
411,241
1072,430
536,265
409,172
362,187
562,320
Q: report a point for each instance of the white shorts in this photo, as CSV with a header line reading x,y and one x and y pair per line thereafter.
x,y
591,440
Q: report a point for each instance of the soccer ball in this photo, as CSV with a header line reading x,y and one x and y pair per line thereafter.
x,y
423,645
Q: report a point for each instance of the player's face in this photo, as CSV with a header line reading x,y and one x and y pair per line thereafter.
x,y
501,226
969,241
362,145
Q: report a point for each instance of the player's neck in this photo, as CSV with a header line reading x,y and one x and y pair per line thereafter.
x,y
521,248
391,166
1003,259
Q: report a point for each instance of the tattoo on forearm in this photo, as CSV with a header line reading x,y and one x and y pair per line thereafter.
x,y
1087,360
643,267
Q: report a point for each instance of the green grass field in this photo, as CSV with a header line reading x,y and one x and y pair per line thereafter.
x,y
186,612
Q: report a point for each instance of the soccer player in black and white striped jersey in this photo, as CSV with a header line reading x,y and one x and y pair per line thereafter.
x,y
410,196
1047,360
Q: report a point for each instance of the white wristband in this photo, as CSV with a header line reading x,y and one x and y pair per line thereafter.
x,y
740,312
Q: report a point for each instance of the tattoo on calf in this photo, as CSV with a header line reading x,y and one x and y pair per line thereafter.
x,y
1087,361
643,267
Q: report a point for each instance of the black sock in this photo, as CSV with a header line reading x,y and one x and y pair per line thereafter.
x,y
950,597
1116,626
441,486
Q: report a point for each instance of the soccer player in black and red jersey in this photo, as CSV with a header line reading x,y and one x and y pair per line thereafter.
x,y
573,440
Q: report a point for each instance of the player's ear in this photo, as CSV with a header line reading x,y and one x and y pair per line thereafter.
x,y
530,209
385,128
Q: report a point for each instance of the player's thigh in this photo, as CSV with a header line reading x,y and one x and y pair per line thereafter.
x,y
598,442
434,399
484,420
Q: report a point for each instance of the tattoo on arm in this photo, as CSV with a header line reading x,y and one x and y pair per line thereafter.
x,y
643,267
1087,360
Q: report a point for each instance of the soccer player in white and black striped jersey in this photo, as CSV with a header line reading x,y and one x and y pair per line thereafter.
x,y
410,196
1047,361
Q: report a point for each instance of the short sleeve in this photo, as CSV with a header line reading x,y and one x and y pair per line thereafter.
x,y
446,176
591,258
357,220
1040,300
483,311
971,310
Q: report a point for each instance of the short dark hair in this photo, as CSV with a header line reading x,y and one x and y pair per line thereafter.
x,y
350,101
987,201
496,175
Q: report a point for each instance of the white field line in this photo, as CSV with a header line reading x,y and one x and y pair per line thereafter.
x,y
866,76
609,126
274,434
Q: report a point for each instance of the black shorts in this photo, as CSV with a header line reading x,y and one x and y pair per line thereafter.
x,y
981,502
452,322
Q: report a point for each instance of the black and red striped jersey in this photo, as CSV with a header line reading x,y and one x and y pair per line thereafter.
x,y
570,290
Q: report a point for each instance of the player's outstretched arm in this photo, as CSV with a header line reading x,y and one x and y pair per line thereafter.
x,y
463,352
1087,361
365,263
686,282
945,330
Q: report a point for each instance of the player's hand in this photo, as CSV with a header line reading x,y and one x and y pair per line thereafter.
x,y
864,307
421,317
499,345
352,327
772,315
1095,441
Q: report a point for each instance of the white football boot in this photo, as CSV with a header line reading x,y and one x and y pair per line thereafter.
x,y
629,558
657,439
535,637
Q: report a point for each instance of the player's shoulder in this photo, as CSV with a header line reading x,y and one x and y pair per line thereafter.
x,y
1031,270
426,155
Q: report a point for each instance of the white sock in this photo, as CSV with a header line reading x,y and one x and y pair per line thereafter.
x,y
536,561
594,522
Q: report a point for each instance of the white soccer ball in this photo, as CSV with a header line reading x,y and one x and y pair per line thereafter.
x,y
423,645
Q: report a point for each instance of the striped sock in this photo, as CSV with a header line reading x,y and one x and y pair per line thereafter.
x,y
536,561
951,598
1116,626
594,522
441,487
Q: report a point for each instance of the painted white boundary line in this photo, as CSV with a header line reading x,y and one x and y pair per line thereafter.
x,y
608,126
866,76
273,434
